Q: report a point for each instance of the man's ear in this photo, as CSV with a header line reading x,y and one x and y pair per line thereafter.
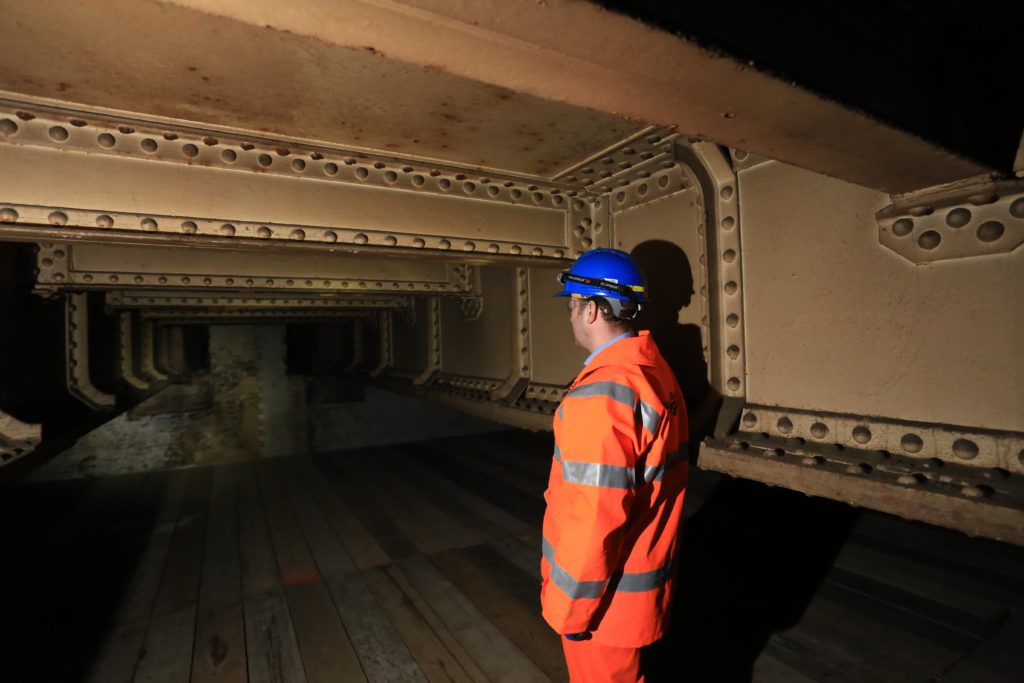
x,y
593,310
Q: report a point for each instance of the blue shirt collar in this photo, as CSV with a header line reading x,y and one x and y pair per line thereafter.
x,y
604,346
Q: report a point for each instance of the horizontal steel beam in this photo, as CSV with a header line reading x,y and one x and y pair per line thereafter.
x,y
182,299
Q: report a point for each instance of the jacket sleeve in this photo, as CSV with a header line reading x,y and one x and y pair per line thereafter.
x,y
597,446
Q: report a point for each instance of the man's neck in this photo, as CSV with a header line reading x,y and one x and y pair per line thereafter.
x,y
602,337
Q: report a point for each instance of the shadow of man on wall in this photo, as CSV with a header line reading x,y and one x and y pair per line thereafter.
x,y
751,557
671,289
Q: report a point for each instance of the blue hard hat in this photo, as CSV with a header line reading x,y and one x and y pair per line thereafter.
x,y
608,273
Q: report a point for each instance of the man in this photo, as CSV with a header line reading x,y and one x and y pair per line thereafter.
x,y
615,494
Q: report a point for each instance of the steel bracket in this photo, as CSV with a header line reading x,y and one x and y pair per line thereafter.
x,y
981,218
17,438
79,384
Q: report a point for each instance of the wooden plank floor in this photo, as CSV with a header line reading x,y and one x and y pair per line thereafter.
x,y
419,563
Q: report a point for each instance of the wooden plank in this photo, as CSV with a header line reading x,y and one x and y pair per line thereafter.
x,y
524,555
998,660
271,648
510,598
426,537
167,653
361,545
119,654
419,514
528,508
222,573
368,509
486,464
220,630
219,653
258,564
383,655
499,658
294,560
122,645
768,669
439,655
327,653
179,583
332,560
460,501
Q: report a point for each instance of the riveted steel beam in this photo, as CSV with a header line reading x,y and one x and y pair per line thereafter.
x,y
79,384
173,187
148,353
90,266
972,219
192,299
953,496
126,353
17,438
209,315
384,330
357,350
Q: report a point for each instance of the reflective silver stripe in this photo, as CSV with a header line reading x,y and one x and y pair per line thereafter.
x,y
650,418
597,474
570,586
641,582
629,582
558,453
561,412
613,390
655,472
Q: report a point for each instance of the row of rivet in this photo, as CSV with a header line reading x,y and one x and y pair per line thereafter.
x,y
859,432
281,157
216,228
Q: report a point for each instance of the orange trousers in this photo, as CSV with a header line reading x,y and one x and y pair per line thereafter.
x,y
591,662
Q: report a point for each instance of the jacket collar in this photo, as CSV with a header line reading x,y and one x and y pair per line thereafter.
x,y
638,350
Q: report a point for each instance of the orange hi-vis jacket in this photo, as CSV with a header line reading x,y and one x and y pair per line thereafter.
x,y
615,498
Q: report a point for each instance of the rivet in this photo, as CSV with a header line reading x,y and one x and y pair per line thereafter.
x,y
185,279
620,197
663,181
148,224
229,281
537,251
729,255
87,277
930,239
819,430
965,449
113,278
207,281
642,189
8,127
8,215
911,443
58,133
515,194
390,176
106,140
264,160
331,168
973,491
469,246
587,242
58,218
297,235
733,352
419,243
189,227
138,279
493,248
861,434
732,320
331,236
902,227
229,155
1017,208
990,231
264,232
731,287
162,280
190,150
391,240
516,249
104,221
249,282
958,218
444,244
728,223
726,192
148,145
227,230
361,238
733,384
749,420
47,262
784,425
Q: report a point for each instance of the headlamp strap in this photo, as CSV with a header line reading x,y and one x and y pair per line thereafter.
x,y
566,276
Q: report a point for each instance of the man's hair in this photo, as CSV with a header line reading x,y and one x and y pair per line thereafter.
x,y
607,314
